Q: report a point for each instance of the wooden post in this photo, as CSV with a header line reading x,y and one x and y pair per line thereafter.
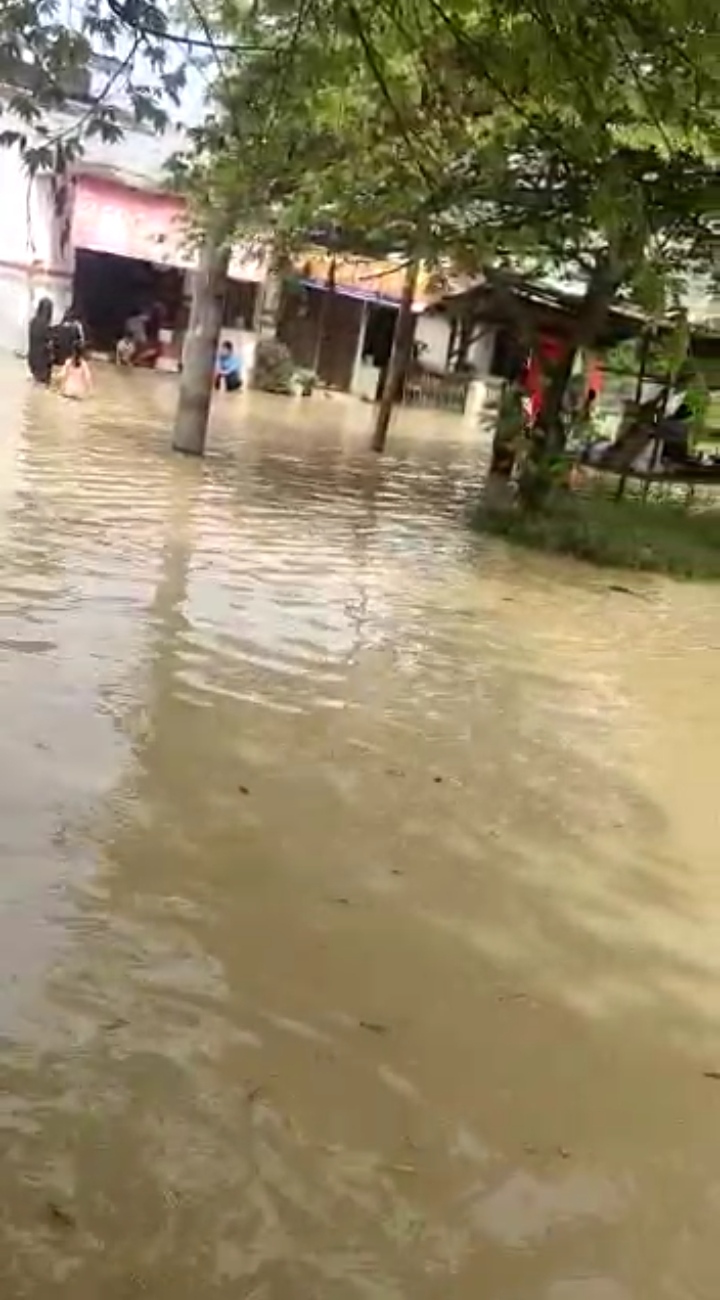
x,y
322,317
200,351
399,357
644,352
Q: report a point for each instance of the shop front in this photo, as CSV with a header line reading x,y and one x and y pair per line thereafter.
x,y
134,255
338,318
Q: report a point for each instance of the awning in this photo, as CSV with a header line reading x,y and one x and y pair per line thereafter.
x,y
152,227
360,294
351,291
372,280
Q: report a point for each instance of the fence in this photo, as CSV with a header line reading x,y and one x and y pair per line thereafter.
x,y
439,392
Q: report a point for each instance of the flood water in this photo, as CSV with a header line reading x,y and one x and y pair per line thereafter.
x,y
359,889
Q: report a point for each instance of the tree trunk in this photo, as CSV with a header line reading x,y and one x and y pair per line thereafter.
x,y
399,357
269,305
451,356
591,318
322,318
466,329
538,478
550,415
200,351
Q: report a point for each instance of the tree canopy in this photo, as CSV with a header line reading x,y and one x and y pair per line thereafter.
x,y
46,67
578,138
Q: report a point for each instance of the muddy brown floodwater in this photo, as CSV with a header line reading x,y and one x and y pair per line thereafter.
x,y
359,891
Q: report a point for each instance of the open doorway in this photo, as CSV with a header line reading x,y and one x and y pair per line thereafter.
x,y
240,304
379,331
107,289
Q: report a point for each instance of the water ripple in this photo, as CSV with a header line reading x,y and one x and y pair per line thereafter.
x,y
345,947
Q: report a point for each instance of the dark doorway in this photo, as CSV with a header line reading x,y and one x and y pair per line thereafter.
x,y
107,289
509,355
240,304
321,329
379,331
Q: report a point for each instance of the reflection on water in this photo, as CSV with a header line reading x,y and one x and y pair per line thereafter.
x,y
359,902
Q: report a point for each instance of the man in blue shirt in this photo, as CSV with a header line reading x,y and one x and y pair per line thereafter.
x,y
228,370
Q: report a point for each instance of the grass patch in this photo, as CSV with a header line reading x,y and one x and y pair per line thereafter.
x,y
658,536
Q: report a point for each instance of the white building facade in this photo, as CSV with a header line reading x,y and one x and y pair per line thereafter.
x,y
116,203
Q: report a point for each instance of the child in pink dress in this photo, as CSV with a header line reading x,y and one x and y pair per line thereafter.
x,y
75,377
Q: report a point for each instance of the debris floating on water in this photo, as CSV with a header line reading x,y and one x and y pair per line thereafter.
x,y
59,1215
373,1026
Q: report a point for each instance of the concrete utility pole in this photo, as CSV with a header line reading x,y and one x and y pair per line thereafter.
x,y
399,357
201,344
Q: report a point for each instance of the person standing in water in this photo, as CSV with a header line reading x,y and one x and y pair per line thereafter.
x,y
75,377
40,342
67,336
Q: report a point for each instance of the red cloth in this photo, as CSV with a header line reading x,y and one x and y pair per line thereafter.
x,y
553,350
594,377
550,349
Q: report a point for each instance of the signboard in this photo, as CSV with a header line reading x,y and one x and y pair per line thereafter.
x,y
152,227
361,277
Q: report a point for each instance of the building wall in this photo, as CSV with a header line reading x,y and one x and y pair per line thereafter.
x,y
433,335
322,331
32,263
434,331
481,353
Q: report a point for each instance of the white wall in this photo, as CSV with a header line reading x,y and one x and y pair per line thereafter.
x,y
481,353
31,262
138,158
433,332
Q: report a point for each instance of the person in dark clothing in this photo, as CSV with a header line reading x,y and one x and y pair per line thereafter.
x,y
68,336
40,342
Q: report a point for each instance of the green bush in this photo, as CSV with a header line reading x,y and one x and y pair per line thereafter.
x,y
273,368
656,535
